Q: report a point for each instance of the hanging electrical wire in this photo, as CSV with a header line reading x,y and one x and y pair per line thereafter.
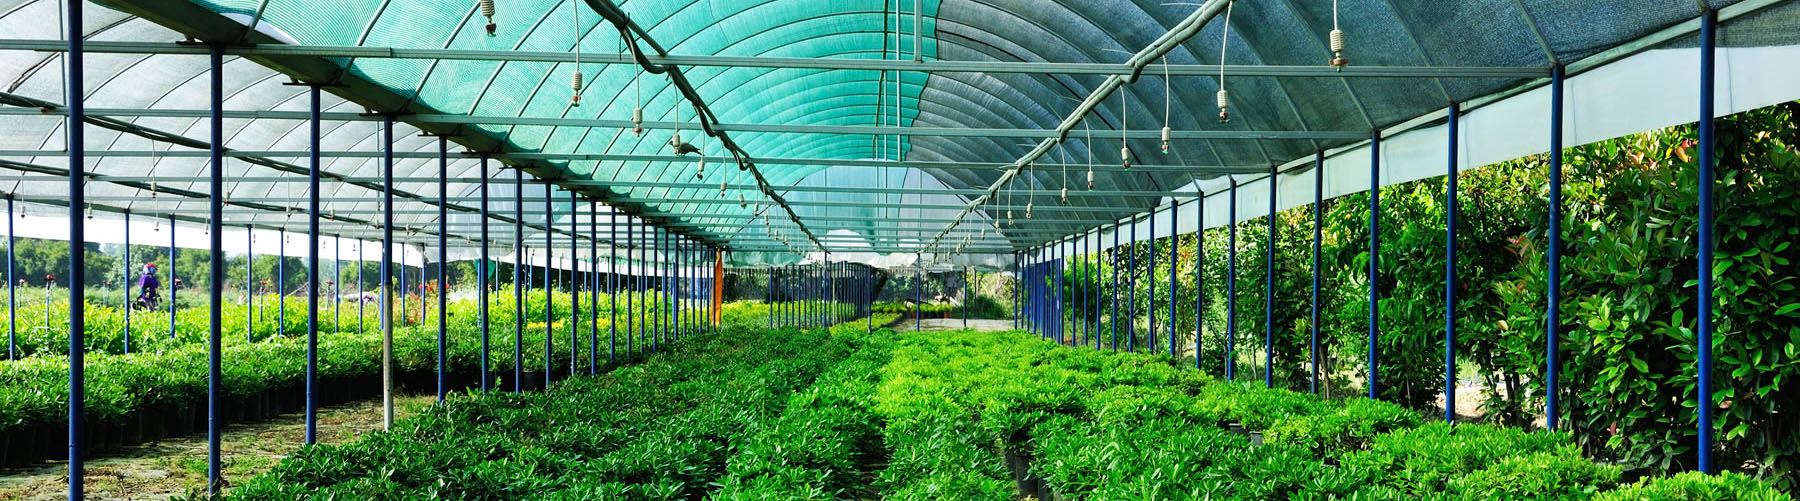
x,y
1124,146
1065,172
1167,84
1089,146
1030,192
1337,41
574,78
1224,40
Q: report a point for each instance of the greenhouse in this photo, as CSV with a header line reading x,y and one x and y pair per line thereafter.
x,y
910,250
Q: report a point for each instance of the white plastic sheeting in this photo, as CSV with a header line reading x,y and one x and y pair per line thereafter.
x,y
1646,91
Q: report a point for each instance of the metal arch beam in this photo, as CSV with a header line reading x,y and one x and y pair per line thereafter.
x,y
929,66
739,127
619,157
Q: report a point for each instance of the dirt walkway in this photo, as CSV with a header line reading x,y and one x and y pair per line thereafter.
x,y
177,466
951,324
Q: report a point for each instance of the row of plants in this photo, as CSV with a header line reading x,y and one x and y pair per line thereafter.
x,y
142,396
979,306
42,327
735,413
1627,386
1101,425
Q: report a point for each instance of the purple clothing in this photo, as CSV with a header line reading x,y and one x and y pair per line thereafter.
x,y
148,282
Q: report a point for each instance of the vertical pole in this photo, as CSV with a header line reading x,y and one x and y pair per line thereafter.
x,y
612,285
361,299
75,131
1131,294
549,293
1113,295
1450,207
172,278
1231,285
519,264
918,290
312,267
1318,234
967,274
215,267
443,283
1269,290
868,278
387,272
771,295
572,284
280,280
1150,277
1708,38
594,288
1199,273
481,278
1553,308
250,283
1174,246
1018,280
126,263
12,290
1374,260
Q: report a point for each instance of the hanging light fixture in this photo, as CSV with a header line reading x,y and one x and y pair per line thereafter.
x,y
1167,84
637,90
487,11
574,78
1124,115
1065,173
1224,41
1089,146
1337,41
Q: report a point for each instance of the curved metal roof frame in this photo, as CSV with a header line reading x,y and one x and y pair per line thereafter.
x,y
1385,33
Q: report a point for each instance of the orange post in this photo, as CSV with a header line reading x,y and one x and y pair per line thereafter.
x,y
718,286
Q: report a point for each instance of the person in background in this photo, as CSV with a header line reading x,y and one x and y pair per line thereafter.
x,y
147,285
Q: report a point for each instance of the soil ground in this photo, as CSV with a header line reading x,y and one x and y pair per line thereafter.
x,y
177,466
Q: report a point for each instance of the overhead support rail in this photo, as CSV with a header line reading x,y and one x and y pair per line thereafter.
x,y
855,130
631,33
627,157
1186,29
824,63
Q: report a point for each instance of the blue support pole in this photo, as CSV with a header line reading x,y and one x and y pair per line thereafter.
x,y
481,278
215,420
771,294
1150,277
250,283
593,281
1113,295
172,278
1374,260
518,358
312,267
1131,294
1450,208
571,283
387,273
1231,286
126,263
76,135
1318,234
443,320
1174,287
1094,259
918,291
549,294
12,289
280,281
1704,435
1269,289
1199,274
612,286
1060,299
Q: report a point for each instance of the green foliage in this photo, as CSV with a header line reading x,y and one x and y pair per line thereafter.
x,y
1695,486
1542,475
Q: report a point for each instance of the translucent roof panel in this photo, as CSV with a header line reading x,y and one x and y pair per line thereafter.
x,y
525,106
